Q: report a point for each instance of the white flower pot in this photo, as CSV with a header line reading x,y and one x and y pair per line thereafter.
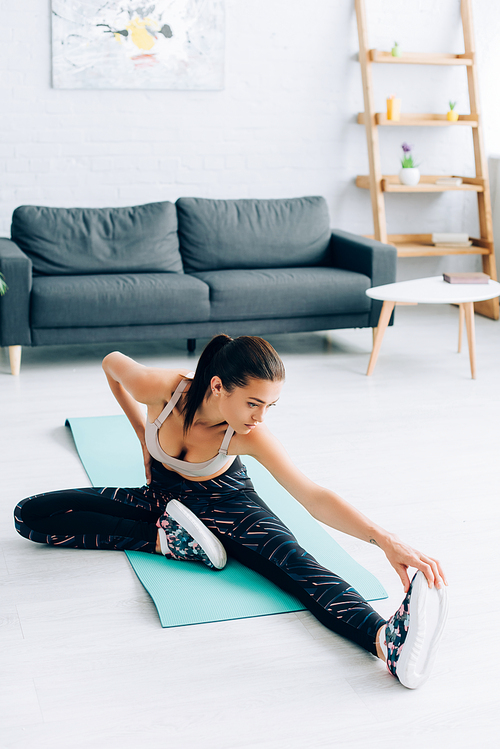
x,y
409,176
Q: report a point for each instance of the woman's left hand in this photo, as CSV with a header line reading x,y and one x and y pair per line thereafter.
x,y
402,556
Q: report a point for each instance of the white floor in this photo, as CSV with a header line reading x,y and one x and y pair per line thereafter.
x,y
84,661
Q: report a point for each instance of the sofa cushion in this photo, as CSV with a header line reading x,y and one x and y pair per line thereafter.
x,y
97,301
70,241
285,292
237,234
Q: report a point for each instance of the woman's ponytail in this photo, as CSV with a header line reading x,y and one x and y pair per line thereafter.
x,y
202,376
235,361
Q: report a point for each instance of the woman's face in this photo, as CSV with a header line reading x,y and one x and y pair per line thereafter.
x,y
246,407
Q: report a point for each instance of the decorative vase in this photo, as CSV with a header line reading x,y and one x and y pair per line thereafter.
x,y
409,176
452,116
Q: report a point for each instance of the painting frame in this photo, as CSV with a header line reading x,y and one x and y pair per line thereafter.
x,y
161,44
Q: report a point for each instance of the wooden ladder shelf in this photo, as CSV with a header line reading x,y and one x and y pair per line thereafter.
x,y
420,245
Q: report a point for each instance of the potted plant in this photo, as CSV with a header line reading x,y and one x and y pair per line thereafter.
x,y
409,174
451,115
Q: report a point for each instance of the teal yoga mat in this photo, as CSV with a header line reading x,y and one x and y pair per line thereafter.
x,y
190,593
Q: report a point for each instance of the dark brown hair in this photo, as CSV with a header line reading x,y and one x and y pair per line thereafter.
x,y
235,361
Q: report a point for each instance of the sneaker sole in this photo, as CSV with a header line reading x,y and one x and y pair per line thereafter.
x,y
428,613
208,542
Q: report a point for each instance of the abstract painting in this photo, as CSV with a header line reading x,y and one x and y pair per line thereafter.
x,y
166,44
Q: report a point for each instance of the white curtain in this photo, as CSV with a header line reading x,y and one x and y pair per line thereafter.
x,y
494,171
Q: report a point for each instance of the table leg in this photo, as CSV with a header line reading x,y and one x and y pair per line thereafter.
x,y
15,359
461,314
383,322
471,336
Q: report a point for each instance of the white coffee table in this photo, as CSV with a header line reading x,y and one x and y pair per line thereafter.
x,y
431,291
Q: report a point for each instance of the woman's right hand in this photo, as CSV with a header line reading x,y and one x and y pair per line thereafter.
x,y
402,556
148,460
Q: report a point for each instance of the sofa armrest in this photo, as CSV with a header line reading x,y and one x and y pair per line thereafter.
x,y
361,255
16,268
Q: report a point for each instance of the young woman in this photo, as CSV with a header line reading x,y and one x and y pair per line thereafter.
x,y
199,503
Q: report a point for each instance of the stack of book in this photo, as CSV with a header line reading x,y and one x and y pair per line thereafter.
x,y
454,181
450,239
467,277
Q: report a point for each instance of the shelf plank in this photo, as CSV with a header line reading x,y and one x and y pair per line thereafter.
x,y
413,249
488,244
420,58
421,120
391,183
420,245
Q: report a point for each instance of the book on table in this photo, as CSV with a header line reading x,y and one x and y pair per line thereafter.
x,y
466,277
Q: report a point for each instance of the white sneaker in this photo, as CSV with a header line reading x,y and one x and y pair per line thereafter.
x,y
185,537
413,633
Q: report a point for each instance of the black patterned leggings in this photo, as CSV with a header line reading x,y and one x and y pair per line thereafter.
x,y
125,519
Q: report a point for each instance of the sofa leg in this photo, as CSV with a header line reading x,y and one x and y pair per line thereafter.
x,y
15,359
191,342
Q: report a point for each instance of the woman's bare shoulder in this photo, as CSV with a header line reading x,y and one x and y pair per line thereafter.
x,y
174,376
255,443
262,445
163,382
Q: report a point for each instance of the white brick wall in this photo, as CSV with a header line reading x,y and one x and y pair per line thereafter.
x,y
283,126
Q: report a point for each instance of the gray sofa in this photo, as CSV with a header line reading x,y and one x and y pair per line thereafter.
x,y
185,270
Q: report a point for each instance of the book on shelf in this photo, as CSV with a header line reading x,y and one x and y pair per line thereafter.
x,y
466,277
455,181
451,239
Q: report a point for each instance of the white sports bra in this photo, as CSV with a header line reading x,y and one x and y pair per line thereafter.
x,y
193,470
